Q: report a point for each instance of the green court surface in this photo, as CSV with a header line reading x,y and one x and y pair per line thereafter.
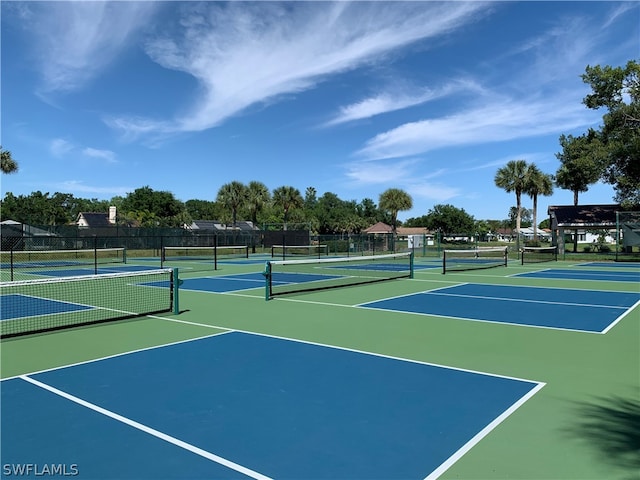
x,y
582,424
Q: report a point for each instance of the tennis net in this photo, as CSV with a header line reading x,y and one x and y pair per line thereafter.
x,y
539,254
472,259
30,306
205,255
288,251
17,260
295,276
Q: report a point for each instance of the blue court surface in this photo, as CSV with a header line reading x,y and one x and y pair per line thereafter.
x,y
75,272
246,281
239,405
572,274
567,309
611,264
384,267
20,306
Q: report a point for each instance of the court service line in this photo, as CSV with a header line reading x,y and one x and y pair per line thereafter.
x,y
151,431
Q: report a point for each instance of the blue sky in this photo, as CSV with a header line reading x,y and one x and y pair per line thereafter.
x,y
99,99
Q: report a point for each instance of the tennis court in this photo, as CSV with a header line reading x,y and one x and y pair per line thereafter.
x,y
617,275
362,369
562,308
249,420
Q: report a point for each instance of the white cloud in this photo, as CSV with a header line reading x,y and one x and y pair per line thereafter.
x,y
247,53
377,173
78,187
398,99
74,41
106,155
60,147
495,121
433,191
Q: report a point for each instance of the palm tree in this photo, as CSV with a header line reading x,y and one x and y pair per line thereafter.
x,y
257,197
7,163
538,183
513,178
287,198
394,200
232,196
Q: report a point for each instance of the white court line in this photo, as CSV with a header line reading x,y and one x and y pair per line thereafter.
x,y
470,319
614,323
151,431
444,466
523,300
481,434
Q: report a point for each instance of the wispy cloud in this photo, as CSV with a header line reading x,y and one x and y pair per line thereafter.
x,y
541,96
397,99
367,173
402,174
74,41
79,187
59,147
242,54
106,155
501,121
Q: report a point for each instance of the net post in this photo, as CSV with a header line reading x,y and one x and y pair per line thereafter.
x,y
267,281
124,254
284,246
95,255
411,265
506,255
176,288
522,257
444,262
161,251
215,252
11,261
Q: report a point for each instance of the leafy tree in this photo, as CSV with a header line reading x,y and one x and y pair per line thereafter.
x,y
258,197
39,208
538,183
369,212
482,228
512,178
310,198
7,163
332,213
202,209
618,91
145,206
232,196
449,219
416,221
394,200
580,163
287,198
525,217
